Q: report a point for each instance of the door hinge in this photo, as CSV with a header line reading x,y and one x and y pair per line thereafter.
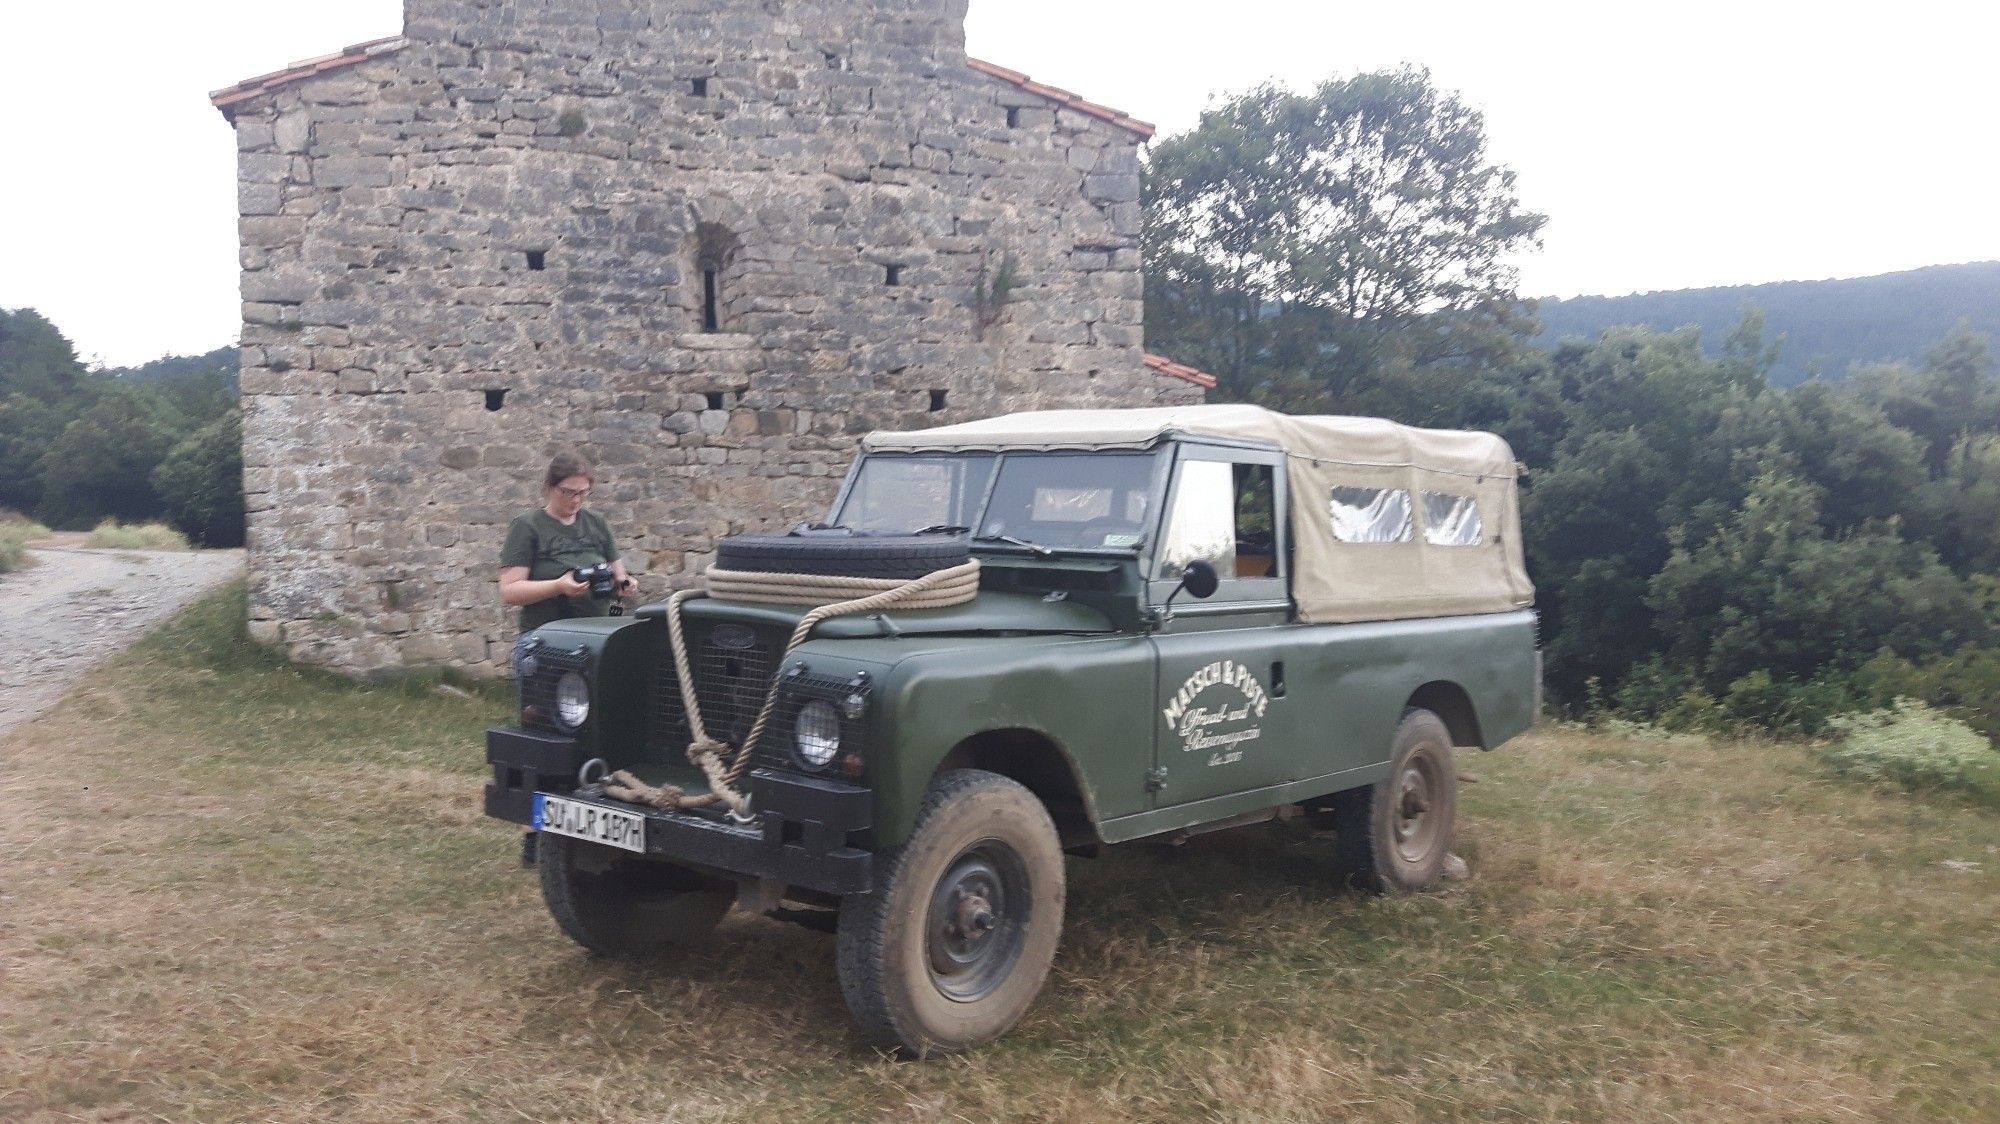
x,y
1156,778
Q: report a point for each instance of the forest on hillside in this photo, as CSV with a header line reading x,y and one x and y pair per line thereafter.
x,y
1711,546
160,441
1824,327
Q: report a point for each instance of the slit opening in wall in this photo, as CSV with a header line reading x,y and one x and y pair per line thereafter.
x,y
892,275
834,61
496,398
700,87
714,400
938,400
1013,116
538,260
711,300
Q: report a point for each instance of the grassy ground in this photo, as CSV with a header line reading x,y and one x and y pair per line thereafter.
x,y
233,890
16,532
113,535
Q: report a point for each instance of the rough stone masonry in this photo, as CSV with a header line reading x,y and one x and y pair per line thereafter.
x,y
709,242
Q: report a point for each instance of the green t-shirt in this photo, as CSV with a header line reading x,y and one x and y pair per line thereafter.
x,y
549,549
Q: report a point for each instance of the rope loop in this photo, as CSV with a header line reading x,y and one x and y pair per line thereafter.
x,y
830,597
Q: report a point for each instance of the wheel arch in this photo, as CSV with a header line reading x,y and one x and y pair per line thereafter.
x,y
1453,706
1041,765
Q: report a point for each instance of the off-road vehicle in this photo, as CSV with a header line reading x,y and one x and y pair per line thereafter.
x,y
1150,623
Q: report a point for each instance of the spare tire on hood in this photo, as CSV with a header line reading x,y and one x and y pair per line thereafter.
x,y
895,557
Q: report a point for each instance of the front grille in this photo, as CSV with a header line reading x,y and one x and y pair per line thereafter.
x,y
733,666
538,691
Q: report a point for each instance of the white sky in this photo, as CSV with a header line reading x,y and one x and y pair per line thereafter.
x,y
1671,144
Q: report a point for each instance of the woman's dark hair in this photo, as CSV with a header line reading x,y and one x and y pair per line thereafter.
x,y
565,465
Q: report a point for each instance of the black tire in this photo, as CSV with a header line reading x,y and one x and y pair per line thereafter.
x,y
1395,835
614,905
897,557
955,942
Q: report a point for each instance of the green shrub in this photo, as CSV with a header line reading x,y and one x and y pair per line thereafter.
x,y
112,535
1912,745
16,532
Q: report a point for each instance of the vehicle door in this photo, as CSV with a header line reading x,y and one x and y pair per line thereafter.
x,y
1222,722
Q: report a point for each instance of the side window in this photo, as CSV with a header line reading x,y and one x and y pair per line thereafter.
x,y
1371,515
1202,527
1451,520
1256,525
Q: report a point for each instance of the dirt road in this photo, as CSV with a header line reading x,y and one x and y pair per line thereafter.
x,y
75,607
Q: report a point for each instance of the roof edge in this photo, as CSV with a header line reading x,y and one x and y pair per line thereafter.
x,y
227,97
1064,98
1166,366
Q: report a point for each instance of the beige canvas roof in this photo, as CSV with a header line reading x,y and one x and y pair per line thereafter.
x,y
1333,580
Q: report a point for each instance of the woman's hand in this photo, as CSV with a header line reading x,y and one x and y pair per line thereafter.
x,y
627,586
568,586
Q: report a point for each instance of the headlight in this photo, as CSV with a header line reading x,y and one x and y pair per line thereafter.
x,y
572,700
817,733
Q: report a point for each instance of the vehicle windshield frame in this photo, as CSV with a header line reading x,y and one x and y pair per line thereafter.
x,y
1158,472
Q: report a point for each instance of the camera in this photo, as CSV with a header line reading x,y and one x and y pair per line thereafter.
x,y
602,581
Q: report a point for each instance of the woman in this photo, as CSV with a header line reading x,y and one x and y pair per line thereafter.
x,y
544,548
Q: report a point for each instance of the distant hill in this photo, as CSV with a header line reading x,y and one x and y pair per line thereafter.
x,y
1826,325
222,361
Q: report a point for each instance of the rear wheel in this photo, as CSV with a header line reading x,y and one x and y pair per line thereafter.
x,y
955,941
1395,835
614,905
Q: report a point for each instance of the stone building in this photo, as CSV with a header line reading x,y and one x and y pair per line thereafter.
x,y
709,242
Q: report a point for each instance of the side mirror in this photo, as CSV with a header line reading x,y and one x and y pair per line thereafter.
x,y
1200,580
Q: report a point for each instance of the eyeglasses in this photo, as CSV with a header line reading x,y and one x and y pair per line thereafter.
x,y
574,493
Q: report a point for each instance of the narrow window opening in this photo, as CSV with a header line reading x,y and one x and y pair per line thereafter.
x,y
538,260
1013,116
700,86
834,61
937,400
715,400
496,398
892,275
711,299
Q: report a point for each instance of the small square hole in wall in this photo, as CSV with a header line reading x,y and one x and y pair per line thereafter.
x,y
700,87
538,260
715,400
937,400
834,61
496,398
892,275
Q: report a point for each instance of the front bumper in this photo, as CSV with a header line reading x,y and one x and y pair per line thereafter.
x,y
800,834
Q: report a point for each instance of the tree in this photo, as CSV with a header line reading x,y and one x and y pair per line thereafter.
x,y
103,463
201,483
1347,243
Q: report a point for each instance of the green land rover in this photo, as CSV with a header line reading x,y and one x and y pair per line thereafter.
x,y
1017,638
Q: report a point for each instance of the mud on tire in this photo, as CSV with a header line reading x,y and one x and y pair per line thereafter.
x,y
955,942
1395,835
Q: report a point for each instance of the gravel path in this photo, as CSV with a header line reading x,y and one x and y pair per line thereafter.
x,y
75,607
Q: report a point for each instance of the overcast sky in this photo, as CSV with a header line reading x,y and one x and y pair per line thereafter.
x,y
1671,144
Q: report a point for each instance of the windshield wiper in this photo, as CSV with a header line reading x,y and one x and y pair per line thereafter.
x,y
942,529
1038,548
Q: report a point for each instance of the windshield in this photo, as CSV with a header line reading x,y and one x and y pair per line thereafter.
x,y
1061,500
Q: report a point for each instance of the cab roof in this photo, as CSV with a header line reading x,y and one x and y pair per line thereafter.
x,y
1330,439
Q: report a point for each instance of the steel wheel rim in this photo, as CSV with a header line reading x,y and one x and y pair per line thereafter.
x,y
977,922
1413,817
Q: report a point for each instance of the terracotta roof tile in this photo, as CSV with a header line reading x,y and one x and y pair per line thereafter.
x,y
224,99
1062,97
1166,366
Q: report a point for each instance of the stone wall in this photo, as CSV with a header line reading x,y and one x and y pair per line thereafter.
x,y
709,243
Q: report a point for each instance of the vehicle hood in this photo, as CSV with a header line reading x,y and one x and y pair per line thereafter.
x,y
989,612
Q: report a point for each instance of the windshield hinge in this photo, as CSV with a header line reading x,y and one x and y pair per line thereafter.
x,y
1156,778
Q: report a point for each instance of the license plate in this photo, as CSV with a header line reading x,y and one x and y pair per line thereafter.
x,y
608,826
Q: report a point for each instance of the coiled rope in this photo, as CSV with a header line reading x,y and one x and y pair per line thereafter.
x,y
831,596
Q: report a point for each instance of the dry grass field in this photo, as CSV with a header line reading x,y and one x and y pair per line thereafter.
x,y
231,890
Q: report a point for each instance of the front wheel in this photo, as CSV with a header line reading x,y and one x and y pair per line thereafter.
x,y
1395,835
614,905
953,944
